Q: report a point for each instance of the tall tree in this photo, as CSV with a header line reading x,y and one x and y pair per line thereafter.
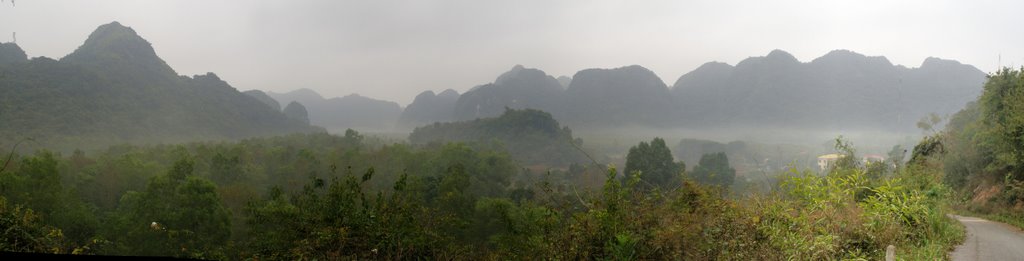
x,y
654,163
1002,105
178,214
714,169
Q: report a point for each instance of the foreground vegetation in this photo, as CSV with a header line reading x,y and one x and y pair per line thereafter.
x,y
319,196
983,158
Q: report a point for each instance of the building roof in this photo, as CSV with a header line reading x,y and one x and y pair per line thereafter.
x,y
831,156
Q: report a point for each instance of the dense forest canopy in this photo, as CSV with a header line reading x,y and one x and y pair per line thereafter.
x,y
194,200
322,196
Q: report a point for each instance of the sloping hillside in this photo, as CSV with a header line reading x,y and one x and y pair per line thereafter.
x,y
115,89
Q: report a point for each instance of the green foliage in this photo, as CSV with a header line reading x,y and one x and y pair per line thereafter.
x,y
654,164
981,150
178,214
346,197
340,220
36,184
965,159
714,169
896,156
848,156
353,138
33,175
521,229
1002,106
22,231
929,147
690,222
225,170
847,214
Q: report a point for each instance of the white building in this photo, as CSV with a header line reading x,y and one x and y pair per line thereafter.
x,y
826,161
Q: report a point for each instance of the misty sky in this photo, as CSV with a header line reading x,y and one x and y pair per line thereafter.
x,y
393,50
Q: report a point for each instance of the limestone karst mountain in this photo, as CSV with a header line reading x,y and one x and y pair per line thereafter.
x,y
115,89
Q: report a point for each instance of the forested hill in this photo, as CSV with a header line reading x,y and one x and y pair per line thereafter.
x,y
115,89
532,137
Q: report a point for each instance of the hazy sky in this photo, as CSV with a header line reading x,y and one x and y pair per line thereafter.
x,y
393,50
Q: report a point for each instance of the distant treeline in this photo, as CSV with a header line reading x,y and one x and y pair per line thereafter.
x,y
114,89
842,90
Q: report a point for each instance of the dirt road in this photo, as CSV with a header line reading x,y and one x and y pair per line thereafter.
x,y
988,240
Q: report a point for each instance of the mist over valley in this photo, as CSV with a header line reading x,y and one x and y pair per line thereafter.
x,y
468,130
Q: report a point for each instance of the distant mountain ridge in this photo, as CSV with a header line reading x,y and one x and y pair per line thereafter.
x,y
518,88
115,89
350,112
11,53
842,90
625,95
428,108
263,97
